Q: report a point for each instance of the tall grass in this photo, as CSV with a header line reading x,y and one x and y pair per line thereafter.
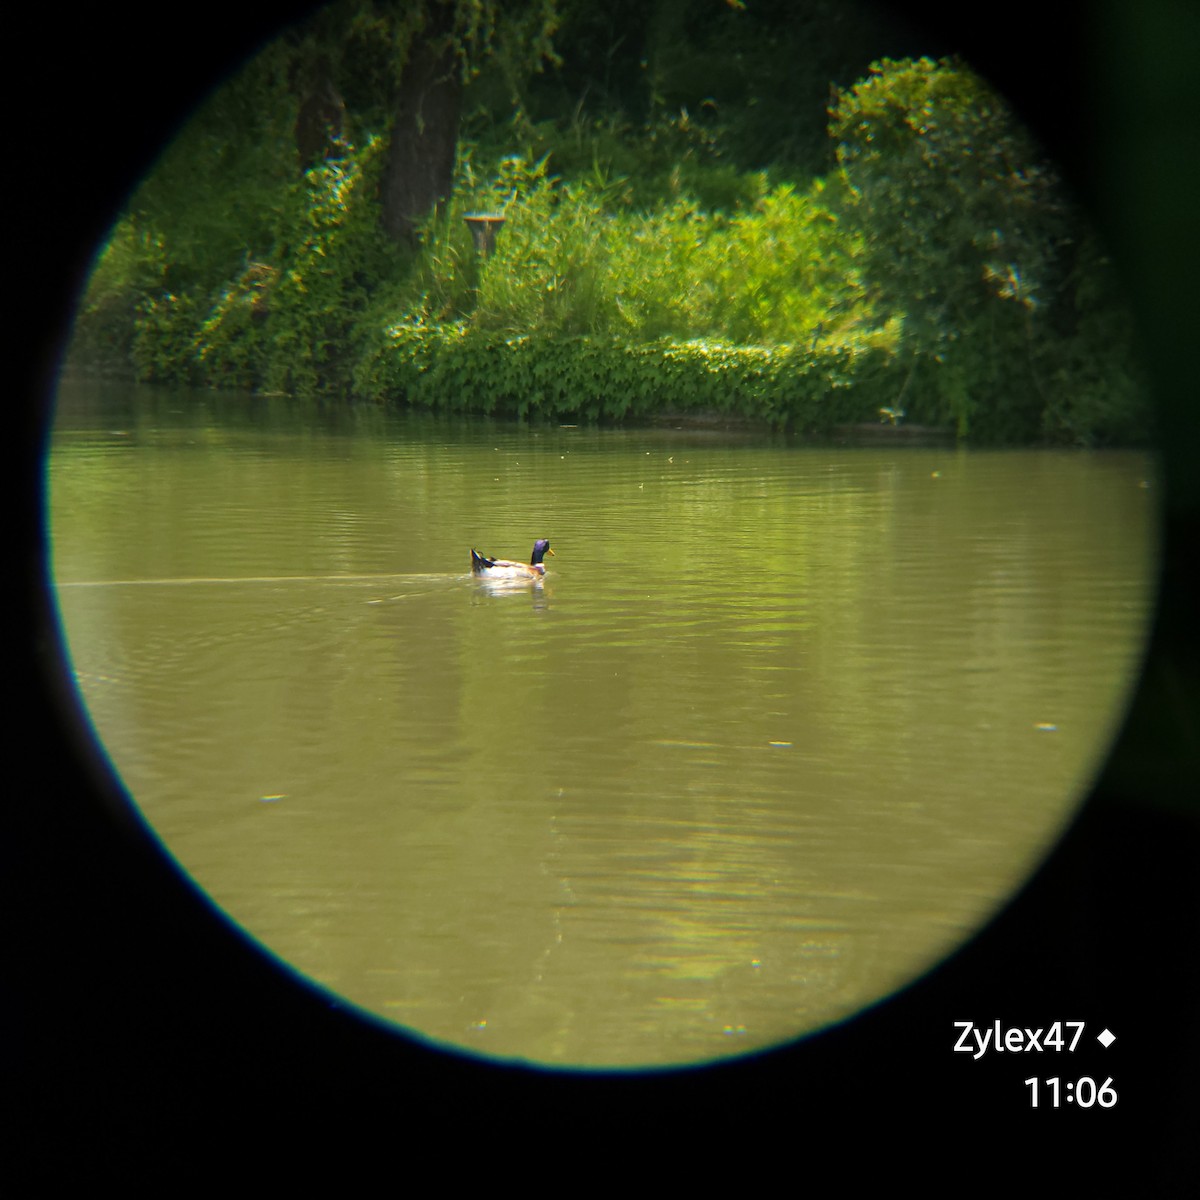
x,y
577,259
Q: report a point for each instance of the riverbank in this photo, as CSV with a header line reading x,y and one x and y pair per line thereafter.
x,y
793,301
456,368
840,391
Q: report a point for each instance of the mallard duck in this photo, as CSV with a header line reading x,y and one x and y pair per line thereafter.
x,y
495,568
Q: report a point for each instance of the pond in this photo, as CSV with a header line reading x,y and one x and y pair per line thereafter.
x,y
782,726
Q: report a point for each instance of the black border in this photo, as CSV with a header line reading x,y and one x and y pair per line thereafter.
x,y
142,1032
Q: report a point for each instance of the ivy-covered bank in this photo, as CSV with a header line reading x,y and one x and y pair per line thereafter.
x,y
808,391
601,379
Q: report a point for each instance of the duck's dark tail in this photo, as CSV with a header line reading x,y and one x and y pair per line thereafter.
x,y
479,562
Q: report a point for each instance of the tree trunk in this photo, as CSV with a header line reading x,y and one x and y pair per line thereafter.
x,y
321,115
419,170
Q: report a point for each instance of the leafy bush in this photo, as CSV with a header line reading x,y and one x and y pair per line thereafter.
x,y
130,267
968,238
289,321
219,193
457,368
332,264
949,194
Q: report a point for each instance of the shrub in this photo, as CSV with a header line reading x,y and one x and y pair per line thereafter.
x,y
458,368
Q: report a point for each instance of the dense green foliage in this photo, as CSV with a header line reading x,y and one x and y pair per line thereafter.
x,y
934,267
970,236
458,368
576,258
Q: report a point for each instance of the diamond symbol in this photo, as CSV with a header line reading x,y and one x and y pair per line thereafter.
x,y
1106,1039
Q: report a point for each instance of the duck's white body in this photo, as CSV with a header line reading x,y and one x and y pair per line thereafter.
x,y
496,568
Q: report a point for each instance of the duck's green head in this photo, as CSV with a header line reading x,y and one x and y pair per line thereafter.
x,y
540,549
